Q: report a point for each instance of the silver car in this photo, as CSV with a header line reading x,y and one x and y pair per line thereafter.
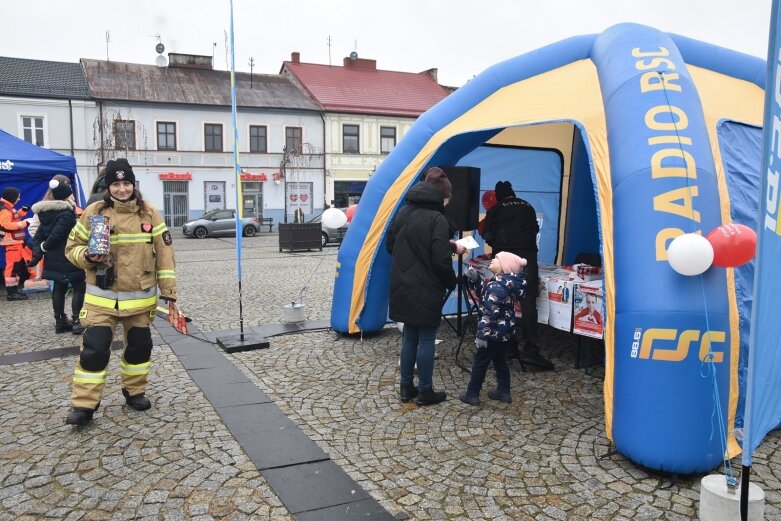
x,y
331,235
220,222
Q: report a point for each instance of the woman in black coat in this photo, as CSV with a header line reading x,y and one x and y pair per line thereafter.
x,y
57,215
421,274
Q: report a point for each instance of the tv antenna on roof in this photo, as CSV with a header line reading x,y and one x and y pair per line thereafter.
x,y
108,39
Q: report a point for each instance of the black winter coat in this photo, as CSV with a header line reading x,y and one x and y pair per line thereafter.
x,y
511,225
422,269
57,219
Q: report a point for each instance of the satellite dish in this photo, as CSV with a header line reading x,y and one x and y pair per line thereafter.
x,y
353,56
161,61
160,48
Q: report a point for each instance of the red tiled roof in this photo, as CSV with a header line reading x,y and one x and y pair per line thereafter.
x,y
362,91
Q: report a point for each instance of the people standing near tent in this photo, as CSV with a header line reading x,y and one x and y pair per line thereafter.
x,y
496,326
16,251
421,273
121,286
57,216
511,225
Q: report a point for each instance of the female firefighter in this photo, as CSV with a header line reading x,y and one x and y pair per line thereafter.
x,y
122,285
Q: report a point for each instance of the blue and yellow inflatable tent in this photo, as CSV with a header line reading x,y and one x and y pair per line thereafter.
x,y
628,139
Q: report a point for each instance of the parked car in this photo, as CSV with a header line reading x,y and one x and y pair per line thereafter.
x,y
220,222
331,235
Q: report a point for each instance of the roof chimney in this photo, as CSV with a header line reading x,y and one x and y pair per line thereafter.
x,y
353,62
295,57
189,61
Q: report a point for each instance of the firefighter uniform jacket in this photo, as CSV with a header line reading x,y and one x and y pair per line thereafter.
x,y
141,255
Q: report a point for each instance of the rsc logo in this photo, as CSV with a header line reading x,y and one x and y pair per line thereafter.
x,y
672,345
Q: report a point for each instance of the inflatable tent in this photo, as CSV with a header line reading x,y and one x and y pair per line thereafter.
x,y
655,135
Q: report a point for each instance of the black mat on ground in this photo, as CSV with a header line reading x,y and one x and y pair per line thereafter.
x,y
366,509
49,354
314,486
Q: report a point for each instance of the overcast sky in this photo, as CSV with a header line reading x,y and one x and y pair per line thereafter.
x,y
459,37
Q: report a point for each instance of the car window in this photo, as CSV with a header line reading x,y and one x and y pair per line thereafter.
x,y
208,215
223,214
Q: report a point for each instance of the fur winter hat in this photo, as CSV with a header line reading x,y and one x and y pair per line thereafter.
x,y
437,177
510,262
504,190
119,170
11,194
60,191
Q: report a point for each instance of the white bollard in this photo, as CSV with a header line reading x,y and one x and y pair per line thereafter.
x,y
717,503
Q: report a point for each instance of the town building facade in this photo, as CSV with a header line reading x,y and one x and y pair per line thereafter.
x,y
367,112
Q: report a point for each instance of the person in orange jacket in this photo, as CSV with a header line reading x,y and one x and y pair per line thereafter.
x,y
16,252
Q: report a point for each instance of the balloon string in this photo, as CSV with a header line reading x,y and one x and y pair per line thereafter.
x,y
709,356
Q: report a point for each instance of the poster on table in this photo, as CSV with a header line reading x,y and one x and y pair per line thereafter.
x,y
298,196
560,303
589,309
543,305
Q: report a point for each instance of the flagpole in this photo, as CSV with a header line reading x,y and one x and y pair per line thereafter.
x,y
237,175
770,109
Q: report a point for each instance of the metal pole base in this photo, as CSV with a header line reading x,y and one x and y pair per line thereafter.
x,y
235,343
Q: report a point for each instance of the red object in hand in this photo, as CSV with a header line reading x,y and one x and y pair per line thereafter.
x,y
733,245
177,318
489,199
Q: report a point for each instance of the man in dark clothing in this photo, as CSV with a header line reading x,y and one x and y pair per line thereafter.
x,y
421,273
511,225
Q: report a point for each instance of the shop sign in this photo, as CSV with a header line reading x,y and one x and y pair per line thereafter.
x,y
254,177
176,176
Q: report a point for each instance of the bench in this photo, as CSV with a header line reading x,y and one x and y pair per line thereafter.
x,y
267,221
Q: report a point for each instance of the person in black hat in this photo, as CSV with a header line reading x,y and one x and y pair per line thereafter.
x,y
511,225
57,216
16,252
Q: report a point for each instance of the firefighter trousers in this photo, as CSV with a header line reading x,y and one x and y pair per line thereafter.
x,y
89,377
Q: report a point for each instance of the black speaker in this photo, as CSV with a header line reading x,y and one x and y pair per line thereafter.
x,y
464,208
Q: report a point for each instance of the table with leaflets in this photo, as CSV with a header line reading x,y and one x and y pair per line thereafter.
x,y
571,298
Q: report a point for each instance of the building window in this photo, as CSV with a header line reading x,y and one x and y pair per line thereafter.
x,y
257,139
166,136
350,143
293,139
125,134
212,137
387,139
32,130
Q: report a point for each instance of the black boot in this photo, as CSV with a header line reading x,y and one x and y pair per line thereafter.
x,y
430,397
138,402
61,323
407,392
531,356
77,327
79,417
14,293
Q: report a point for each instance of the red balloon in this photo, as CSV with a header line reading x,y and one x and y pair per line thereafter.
x,y
350,212
733,245
489,199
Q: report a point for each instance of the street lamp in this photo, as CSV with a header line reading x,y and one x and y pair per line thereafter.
x,y
282,168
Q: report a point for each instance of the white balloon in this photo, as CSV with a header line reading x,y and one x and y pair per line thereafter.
x,y
334,218
690,254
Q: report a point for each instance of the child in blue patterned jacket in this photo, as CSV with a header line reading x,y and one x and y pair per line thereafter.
x,y
496,327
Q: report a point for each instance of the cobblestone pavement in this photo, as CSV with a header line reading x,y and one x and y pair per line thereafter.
x,y
542,457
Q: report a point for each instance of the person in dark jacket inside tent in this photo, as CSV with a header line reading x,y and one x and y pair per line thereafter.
x,y
421,274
